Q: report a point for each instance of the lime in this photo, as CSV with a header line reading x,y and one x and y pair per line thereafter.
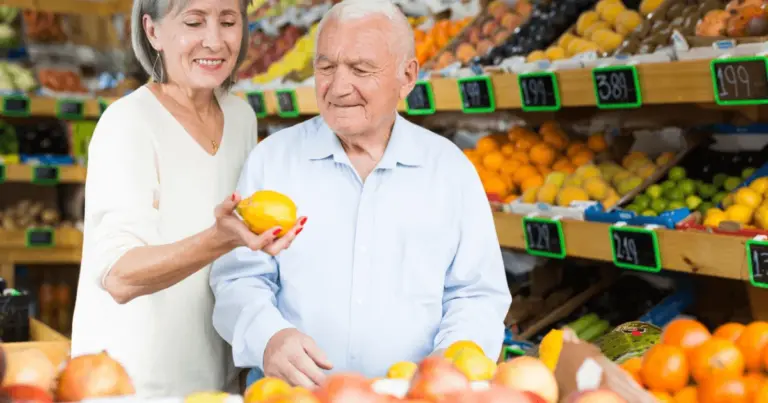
x,y
642,201
718,197
659,205
747,172
687,186
654,191
668,184
633,208
674,194
706,191
719,179
649,213
693,201
703,207
674,205
731,183
676,173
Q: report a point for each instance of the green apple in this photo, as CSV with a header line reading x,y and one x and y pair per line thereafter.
x,y
674,194
654,191
693,202
687,186
642,201
706,191
676,173
659,205
668,184
731,183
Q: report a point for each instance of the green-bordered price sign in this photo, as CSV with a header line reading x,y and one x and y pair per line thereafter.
x,y
757,261
544,237
40,238
635,248
539,92
740,80
476,94
103,105
16,106
70,109
46,175
256,100
421,100
617,87
287,103
2,173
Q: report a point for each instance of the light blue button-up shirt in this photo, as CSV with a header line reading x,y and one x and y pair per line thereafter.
x,y
386,270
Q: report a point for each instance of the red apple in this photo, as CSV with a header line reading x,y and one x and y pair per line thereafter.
x,y
435,378
26,394
533,397
347,388
595,396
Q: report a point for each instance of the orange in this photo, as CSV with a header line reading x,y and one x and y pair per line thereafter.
x,y
544,170
632,366
265,389
521,156
508,167
456,347
729,331
665,368
557,141
486,145
531,182
662,397
723,390
761,396
511,198
523,173
687,394
754,382
496,185
751,342
549,127
715,357
493,160
597,143
582,157
267,209
507,149
574,148
518,132
542,154
525,143
560,163
685,333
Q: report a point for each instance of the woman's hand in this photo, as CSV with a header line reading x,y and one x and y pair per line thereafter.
x,y
234,232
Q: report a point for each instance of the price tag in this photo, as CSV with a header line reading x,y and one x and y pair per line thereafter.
x,y
16,106
477,94
40,237
287,106
757,261
635,248
617,87
539,92
421,100
740,80
2,173
256,100
544,237
45,175
70,109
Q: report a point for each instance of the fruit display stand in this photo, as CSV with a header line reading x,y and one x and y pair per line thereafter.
x,y
43,338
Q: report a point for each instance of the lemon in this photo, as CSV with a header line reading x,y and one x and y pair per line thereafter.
x,y
759,185
265,389
739,213
266,209
748,197
402,370
475,365
460,345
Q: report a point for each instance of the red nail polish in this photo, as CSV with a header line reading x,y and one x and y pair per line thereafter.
x,y
303,221
299,230
233,197
277,232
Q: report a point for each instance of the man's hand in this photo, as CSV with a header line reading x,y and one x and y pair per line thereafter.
x,y
295,358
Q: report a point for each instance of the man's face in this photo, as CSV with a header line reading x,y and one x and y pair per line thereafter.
x,y
357,81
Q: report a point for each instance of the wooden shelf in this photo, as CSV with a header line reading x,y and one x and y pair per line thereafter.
x,y
68,248
685,251
46,106
103,7
25,173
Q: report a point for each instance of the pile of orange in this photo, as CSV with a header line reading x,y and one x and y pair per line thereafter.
x,y
513,162
428,43
690,365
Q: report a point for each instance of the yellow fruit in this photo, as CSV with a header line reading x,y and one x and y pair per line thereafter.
x,y
550,347
570,194
475,365
267,209
548,193
588,171
456,348
714,211
627,21
611,12
402,370
627,161
493,160
586,19
596,26
761,217
535,56
607,40
664,158
759,185
714,221
529,196
596,188
646,171
748,197
555,53
565,40
610,200
727,201
603,3
628,184
739,213
573,180
265,389
555,178
649,6
620,176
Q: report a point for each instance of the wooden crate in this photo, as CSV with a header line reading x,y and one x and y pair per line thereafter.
x,y
54,345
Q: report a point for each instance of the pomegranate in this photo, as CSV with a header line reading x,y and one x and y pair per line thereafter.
x,y
93,376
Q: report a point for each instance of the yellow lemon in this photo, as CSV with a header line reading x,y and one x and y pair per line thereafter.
x,y
748,197
207,397
475,365
402,370
759,185
266,209
265,389
739,213
456,348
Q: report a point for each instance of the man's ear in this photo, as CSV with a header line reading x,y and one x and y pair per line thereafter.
x,y
410,75
150,29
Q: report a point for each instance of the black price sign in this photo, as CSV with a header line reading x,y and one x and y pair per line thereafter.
x,y
40,238
45,175
544,237
740,80
421,100
70,109
617,87
256,100
757,261
477,94
287,106
539,92
102,106
635,248
16,106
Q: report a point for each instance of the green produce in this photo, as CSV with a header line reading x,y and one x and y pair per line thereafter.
x,y
8,14
718,180
693,201
583,323
659,205
674,194
9,143
654,191
703,207
649,213
731,183
631,339
747,172
687,186
642,201
675,204
597,329
676,174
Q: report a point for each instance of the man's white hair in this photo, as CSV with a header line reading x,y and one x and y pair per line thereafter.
x,y
401,40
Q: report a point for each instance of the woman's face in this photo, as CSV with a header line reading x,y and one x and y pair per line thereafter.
x,y
200,41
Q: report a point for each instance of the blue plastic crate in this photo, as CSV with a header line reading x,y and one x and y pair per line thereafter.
x,y
667,219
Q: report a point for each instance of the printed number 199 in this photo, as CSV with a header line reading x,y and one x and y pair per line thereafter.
x,y
733,75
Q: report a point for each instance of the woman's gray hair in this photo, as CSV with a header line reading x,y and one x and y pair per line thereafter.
x,y
152,60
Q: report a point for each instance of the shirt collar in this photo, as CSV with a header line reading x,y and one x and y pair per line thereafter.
x,y
403,147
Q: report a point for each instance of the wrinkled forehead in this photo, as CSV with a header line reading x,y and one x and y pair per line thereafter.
x,y
365,37
175,7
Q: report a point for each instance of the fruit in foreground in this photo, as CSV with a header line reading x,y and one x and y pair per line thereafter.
x,y
595,396
528,374
267,209
476,366
457,347
29,367
26,394
435,379
93,376
266,388
346,387
716,357
665,368
402,370
685,333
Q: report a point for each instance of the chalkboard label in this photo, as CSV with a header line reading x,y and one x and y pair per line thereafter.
x,y
45,175
544,237
617,87
70,109
421,100
2,173
757,261
102,106
287,105
740,80
256,100
40,238
477,94
635,248
539,92
16,106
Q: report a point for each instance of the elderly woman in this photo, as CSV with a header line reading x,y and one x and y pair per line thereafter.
x,y
163,164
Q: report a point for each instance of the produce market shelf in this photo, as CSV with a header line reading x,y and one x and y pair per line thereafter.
x,y
66,249
48,106
102,7
26,173
691,252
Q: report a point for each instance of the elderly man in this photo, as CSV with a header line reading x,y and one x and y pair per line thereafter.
x,y
399,257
